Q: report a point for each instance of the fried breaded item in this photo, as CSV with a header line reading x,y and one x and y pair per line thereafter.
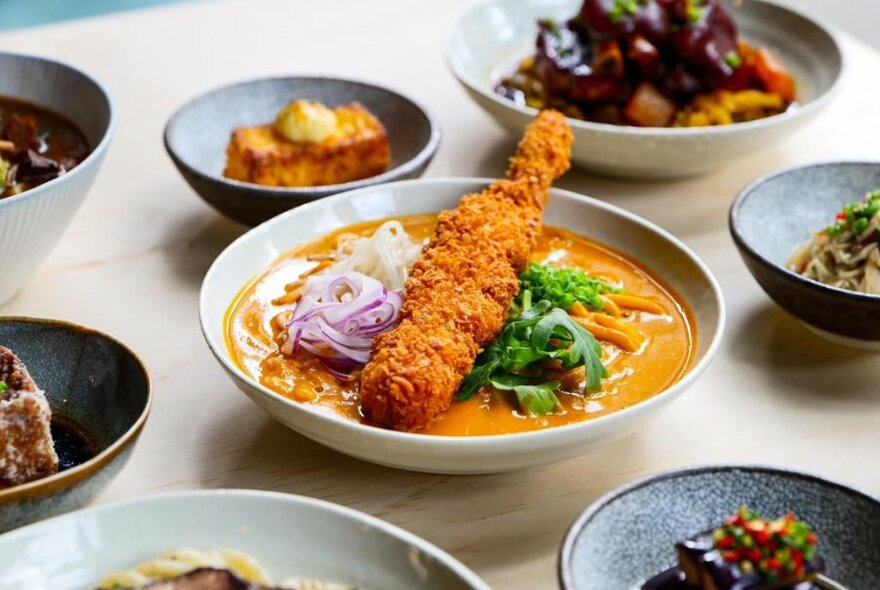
x,y
27,451
459,292
359,149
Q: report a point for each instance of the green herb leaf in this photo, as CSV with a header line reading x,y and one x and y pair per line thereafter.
x,y
511,363
538,399
484,366
3,386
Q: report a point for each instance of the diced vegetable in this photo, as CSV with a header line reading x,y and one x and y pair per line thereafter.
x,y
648,107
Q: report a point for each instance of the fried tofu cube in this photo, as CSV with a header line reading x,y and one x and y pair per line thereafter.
x,y
358,148
27,451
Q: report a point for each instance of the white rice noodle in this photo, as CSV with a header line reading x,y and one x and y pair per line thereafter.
x,y
387,255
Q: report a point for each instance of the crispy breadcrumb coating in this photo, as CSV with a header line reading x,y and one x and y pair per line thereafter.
x,y
459,292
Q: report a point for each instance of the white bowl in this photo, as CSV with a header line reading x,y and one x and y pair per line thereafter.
x,y
291,536
652,246
490,37
32,223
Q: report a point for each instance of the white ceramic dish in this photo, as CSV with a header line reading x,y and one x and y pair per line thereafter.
x,y
655,248
490,36
291,536
32,223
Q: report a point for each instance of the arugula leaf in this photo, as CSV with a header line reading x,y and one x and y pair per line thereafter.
x,y
486,363
583,351
562,286
538,399
540,332
535,399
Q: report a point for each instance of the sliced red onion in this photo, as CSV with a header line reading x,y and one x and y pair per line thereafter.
x,y
337,318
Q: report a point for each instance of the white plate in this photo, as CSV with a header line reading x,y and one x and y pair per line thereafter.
x,y
653,247
489,38
291,536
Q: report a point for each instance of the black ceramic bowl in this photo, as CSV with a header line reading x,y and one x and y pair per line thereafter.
x,y
99,394
628,536
776,215
197,135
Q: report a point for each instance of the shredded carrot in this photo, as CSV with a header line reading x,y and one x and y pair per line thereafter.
x,y
611,307
578,309
615,324
293,291
636,303
622,340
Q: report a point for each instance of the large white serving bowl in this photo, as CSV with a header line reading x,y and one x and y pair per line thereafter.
x,y
291,536
32,223
490,37
647,243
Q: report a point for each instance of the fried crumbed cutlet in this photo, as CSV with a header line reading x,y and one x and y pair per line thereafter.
x,y
359,149
26,448
459,292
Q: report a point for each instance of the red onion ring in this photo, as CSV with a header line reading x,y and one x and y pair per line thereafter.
x,y
337,318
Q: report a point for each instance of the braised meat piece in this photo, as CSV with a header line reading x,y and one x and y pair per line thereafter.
x,y
26,448
22,130
207,579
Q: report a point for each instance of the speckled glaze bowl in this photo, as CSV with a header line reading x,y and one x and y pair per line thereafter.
x,y
628,536
91,381
491,36
290,536
32,223
776,215
197,135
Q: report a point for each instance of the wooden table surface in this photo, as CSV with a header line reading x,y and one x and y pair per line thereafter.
x,y
134,259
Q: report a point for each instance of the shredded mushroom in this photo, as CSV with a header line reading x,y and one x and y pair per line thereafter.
x,y
843,260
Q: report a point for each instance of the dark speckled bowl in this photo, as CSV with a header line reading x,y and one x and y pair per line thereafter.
x,y
93,382
776,215
628,536
196,137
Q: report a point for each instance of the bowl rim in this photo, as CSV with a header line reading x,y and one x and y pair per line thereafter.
x,y
740,240
566,552
96,152
63,479
465,573
800,112
462,442
422,158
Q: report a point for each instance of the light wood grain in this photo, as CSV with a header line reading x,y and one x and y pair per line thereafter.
x,y
134,259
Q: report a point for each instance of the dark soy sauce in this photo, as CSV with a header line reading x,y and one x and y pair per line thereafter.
x,y
72,445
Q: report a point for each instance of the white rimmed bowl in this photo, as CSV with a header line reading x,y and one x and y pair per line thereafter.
x,y
490,36
647,243
32,223
291,536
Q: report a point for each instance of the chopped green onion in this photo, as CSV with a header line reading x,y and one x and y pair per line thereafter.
x,y
733,59
563,286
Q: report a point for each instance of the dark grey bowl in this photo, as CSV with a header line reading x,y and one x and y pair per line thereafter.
x,y
628,536
196,137
93,382
778,213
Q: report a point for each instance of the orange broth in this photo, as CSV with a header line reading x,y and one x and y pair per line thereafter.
x,y
633,377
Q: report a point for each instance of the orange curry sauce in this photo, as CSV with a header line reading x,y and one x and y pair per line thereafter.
x,y
633,377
